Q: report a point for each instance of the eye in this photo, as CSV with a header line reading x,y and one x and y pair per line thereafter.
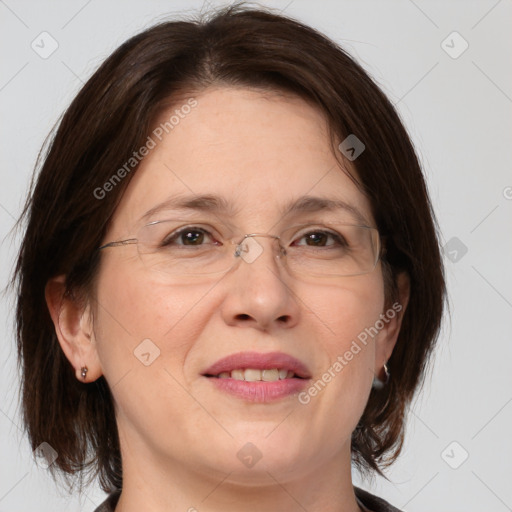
x,y
189,236
320,238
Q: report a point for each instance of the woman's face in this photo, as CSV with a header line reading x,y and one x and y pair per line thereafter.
x,y
159,335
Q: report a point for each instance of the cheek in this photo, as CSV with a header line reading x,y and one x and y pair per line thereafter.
x,y
144,332
347,310
350,312
136,314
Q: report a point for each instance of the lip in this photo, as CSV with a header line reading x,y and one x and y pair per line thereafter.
x,y
259,391
259,361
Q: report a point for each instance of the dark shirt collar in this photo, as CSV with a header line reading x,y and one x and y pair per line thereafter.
x,y
369,501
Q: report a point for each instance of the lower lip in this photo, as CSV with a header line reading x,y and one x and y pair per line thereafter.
x,y
259,391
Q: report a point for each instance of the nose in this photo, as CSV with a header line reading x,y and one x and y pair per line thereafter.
x,y
260,293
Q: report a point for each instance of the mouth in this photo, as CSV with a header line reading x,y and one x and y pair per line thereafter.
x,y
258,377
255,374
255,366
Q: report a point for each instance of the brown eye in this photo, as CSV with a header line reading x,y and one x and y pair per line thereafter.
x,y
316,239
188,236
192,237
321,239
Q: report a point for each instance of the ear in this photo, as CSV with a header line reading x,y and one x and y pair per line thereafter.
x,y
74,328
385,341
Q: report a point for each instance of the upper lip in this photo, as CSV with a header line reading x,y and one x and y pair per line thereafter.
x,y
258,361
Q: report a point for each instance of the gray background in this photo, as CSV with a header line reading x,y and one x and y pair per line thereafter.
x,y
457,107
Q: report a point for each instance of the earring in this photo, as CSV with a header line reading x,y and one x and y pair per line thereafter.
x,y
379,384
84,371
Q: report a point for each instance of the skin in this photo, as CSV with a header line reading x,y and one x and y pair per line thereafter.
x,y
180,435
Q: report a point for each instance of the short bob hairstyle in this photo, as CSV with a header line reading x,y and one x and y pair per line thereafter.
x,y
66,215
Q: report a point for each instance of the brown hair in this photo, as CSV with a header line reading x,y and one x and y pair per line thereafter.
x,y
111,117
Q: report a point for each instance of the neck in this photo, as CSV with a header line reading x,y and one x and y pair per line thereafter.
x,y
151,483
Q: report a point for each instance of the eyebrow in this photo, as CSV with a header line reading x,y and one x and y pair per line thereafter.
x,y
215,204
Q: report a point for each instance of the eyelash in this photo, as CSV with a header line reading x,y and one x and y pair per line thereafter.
x,y
172,237
177,233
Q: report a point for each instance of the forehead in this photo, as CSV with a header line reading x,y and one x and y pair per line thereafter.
x,y
256,150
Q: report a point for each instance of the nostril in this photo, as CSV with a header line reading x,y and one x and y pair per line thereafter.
x,y
243,316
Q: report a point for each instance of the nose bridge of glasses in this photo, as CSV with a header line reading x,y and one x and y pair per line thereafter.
x,y
248,249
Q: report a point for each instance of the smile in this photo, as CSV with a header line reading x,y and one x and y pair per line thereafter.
x,y
257,377
254,374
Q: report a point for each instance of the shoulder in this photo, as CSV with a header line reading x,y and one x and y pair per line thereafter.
x,y
372,502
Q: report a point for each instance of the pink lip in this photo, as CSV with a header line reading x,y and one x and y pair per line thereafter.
x,y
258,361
259,391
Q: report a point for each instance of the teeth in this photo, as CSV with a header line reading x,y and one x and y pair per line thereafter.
x,y
237,375
254,375
270,375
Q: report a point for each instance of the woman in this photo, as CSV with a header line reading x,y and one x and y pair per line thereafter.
x,y
230,282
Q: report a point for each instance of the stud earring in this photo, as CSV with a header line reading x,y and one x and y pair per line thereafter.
x,y
84,371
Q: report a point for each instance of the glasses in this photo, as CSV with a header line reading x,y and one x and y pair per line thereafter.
x,y
179,247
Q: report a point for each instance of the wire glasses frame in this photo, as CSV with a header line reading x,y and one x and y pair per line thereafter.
x,y
356,249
